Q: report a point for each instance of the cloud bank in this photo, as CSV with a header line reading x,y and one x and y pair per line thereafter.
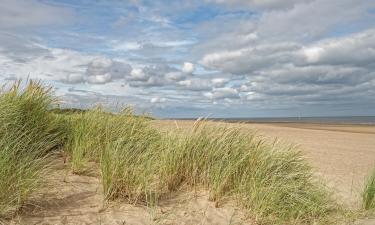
x,y
221,58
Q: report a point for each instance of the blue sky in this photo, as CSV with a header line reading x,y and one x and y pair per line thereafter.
x,y
216,58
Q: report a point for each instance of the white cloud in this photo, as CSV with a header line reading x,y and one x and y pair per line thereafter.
x,y
158,100
222,93
312,19
137,74
249,59
357,49
261,4
269,54
188,68
26,13
102,70
179,43
99,63
294,74
312,54
74,78
126,46
117,45
54,64
195,84
219,82
99,66
175,76
100,78
216,58
153,76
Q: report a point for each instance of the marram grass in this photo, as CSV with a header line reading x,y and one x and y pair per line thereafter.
x,y
141,164
368,194
28,132
272,181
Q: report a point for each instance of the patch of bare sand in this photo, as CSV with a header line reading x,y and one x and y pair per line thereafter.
x,y
78,200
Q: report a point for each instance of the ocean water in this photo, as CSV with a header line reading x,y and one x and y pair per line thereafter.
x,y
364,120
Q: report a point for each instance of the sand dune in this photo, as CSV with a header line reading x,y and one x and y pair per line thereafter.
x,y
341,154
78,200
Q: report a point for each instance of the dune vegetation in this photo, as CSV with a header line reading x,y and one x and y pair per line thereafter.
x,y
141,164
29,134
368,194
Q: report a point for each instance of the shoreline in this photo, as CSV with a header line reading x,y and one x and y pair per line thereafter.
x,y
337,127
345,121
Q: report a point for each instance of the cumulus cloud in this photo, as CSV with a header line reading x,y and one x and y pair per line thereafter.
x,y
302,74
98,71
254,54
137,74
153,76
52,64
249,59
150,82
222,93
219,82
102,70
74,78
40,62
120,70
354,50
175,76
99,79
357,49
158,100
188,68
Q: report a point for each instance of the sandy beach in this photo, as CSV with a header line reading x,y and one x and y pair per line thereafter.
x,y
342,155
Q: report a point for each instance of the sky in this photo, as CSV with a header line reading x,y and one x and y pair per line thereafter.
x,y
210,58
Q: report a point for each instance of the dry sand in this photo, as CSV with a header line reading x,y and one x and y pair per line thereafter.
x,y
78,200
341,154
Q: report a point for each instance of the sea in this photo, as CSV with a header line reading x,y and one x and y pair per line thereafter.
x,y
359,120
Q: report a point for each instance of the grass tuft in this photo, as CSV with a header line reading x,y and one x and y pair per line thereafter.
x,y
28,133
141,164
368,194
272,181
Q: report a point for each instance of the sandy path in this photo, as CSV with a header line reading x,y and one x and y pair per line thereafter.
x,y
342,154
78,200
